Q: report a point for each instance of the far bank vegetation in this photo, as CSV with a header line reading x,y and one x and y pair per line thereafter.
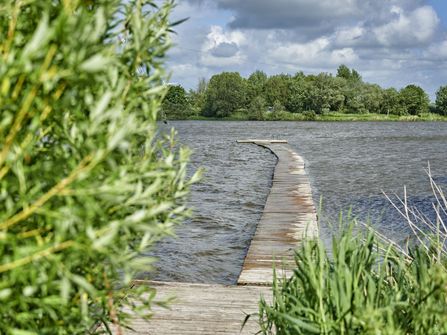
x,y
344,96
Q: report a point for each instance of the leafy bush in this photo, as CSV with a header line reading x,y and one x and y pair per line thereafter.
x,y
310,115
85,184
240,114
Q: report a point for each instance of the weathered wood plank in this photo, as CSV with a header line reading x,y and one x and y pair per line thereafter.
x,y
263,141
289,216
202,309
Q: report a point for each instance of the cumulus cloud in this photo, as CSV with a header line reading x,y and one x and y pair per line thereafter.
x,y
349,36
387,41
417,26
315,53
310,16
225,49
222,48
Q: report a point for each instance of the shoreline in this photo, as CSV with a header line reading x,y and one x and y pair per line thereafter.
x,y
332,117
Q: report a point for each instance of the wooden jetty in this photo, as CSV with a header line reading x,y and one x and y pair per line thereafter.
x,y
288,217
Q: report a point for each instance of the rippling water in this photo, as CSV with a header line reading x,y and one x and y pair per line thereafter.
x,y
349,165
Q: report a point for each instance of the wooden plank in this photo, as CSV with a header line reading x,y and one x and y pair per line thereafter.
x,y
261,141
202,309
289,216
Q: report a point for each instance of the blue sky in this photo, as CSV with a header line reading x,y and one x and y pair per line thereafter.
x,y
390,42
440,6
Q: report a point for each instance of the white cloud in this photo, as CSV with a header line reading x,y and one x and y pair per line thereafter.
x,y
437,51
302,52
390,42
217,35
417,27
343,56
318,52
217,38
349,36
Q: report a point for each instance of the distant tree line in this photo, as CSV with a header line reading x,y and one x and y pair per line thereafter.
x,y
260,96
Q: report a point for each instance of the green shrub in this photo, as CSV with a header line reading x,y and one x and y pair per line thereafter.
x,y
257,108
310,115
283,116
240,114
441,101
85,184
365,287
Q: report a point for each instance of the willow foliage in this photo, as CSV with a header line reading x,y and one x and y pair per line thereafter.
x,y
85,183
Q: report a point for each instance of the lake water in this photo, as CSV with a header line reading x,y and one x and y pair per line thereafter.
x,y
349,165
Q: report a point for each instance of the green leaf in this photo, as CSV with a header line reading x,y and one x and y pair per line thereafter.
x,y
5,293
21,332
97,112
96,63
39,39
82,282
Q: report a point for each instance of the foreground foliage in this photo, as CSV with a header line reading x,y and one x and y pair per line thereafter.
x,y
364,287
85,184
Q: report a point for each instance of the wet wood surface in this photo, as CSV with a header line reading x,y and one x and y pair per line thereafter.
x,y
289,216
202,309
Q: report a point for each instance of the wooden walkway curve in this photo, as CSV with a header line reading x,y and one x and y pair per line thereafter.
x,y
288,217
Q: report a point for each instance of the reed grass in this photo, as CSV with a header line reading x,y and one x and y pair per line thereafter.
x,y
367,284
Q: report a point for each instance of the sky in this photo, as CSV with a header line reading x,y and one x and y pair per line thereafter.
x,y
393,43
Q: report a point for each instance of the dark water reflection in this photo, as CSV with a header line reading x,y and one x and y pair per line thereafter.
x,y
349,164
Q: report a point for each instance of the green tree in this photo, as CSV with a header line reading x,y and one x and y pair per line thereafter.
x,y
297,100
86,184
441,100
257,108
362,98
343,72
277,88
355,76
175,103
197,98
414,100
324,93
255,85
351,75
391,102
371,98
226,93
